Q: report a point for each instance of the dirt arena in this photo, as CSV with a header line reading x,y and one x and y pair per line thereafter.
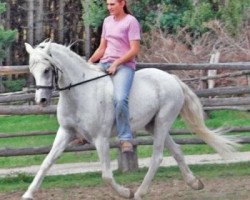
x,y
226,188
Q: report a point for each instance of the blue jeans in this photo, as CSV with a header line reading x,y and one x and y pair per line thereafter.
x,y
122,81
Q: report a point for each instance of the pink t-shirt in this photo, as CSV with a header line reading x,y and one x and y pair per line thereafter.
x,y
118,35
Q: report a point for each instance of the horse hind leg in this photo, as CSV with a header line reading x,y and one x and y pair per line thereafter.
x,y
187,174
59,145
102,147
162,123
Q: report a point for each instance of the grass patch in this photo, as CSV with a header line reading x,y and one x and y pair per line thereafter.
x,y
22,181
13,124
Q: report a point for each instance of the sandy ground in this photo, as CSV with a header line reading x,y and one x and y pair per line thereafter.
x,y
223,188
226,188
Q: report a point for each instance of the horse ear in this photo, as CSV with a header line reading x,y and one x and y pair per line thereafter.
x,y
29,48
46,40
47,47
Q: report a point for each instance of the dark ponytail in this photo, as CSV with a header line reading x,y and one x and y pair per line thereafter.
x,y
125,8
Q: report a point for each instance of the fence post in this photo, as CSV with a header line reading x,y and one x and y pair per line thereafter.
x,y
214,59
128,161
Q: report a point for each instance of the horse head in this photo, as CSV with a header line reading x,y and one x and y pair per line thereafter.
x,y
48,59
42,68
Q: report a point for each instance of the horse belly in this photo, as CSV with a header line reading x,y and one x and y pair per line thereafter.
x,y
143,104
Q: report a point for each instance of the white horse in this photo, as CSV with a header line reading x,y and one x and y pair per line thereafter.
x,y
87,111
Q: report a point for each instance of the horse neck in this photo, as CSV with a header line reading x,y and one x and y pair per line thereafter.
x,y
74,68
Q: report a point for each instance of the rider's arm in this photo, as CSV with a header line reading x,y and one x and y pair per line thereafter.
x,y
99,51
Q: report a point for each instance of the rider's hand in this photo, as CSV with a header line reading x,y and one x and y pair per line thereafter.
x,y
113,67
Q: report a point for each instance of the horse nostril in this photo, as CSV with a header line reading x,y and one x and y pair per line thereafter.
x,y
43,100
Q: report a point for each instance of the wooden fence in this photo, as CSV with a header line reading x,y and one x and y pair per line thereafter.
x,y
242,102
237,94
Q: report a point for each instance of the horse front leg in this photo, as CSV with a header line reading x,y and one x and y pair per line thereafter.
x,y
156,159
102,147
60,143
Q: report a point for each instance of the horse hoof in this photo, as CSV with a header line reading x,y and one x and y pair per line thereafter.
x,y
27,197
131,194
196,184
137,197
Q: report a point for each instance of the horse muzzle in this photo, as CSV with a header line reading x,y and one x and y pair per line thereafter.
x,y
43,102
43,98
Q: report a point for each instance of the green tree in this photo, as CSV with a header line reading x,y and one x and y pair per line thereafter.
x,y
169,15
164,14
96,13
6,36
233,13
196,17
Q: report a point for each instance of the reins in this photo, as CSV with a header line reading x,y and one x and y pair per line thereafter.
x,y
79,83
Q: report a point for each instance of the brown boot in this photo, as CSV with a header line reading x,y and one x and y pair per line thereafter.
x,y
79,141
126,146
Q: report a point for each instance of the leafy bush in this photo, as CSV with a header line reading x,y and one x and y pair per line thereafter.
x,y
166,14
95,13
197,16
170,15
234,13
14,85
146,12
6,36
2,7
231,13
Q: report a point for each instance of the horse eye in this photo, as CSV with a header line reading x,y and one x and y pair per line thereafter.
x,y
46,71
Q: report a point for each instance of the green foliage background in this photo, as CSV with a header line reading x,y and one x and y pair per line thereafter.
x,y
170,15
6,36
14,85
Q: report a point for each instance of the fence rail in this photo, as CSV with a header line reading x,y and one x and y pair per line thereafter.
x,y
242,103
172,132
220,91
7,70
7,152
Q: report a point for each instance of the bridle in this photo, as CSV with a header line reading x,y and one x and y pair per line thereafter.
x,y
55,78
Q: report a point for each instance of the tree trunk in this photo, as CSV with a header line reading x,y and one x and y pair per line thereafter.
x,y
39,33
87,37
0,61
8,50
31,21
30,33
61,21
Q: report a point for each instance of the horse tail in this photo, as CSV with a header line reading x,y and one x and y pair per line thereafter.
x,y
193,115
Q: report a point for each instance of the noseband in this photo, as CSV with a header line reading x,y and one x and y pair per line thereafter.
x,y
55,72
54,79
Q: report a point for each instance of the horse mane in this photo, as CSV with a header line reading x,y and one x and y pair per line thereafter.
x,y
66,49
